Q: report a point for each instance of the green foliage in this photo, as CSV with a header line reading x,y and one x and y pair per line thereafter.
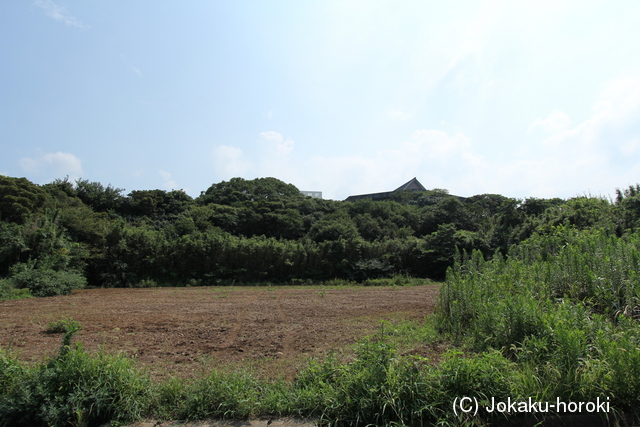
x,y
8,292
628,207
543,295
264,230
564,306
449,210
224,396
63,326
97,196
12,245
44,282
241,190
377,388
11,371
19,198
334,227
73,388
483,377
154,203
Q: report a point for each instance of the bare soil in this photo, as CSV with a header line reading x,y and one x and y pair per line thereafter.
x,y
183,331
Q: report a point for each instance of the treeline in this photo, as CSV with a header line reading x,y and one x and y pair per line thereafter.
x,y
64,235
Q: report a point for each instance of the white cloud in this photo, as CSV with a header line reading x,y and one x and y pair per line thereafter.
x,y
621,100
435,157
168,183
556,122
54,165
59,13
229,162
615,111
401,115
137,173
631,146
596,154
274,156
274,144
438,144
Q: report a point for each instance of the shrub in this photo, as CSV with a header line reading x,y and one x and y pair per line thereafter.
x,y
73,388
227,396
46,283
10,372
63,326
8,292
377,388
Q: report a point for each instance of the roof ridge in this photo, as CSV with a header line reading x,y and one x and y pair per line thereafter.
x,y
409,183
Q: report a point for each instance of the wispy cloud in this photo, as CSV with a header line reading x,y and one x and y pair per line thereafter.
x,y
556,122
229,162
168,183
430,154
59,13
53,165
133,67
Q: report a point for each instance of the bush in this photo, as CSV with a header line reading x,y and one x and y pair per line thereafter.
x,y
74,388
63,326
46,283
7,291
377,388
10,372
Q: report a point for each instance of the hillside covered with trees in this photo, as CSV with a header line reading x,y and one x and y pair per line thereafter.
x,y
66,235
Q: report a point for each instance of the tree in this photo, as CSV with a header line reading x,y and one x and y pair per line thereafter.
x,y
628,206
97,196
154,203
333,227
19,198
242,190
449,210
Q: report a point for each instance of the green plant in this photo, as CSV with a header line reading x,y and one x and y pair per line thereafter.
x,y
8,292
10,372
45,282
63,326
73,388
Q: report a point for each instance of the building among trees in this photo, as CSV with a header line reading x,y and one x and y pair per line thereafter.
x,y
412,185
314,194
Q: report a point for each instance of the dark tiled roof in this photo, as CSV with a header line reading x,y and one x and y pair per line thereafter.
x,y
413,185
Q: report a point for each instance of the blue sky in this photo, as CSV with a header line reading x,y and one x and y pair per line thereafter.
x,y
525,99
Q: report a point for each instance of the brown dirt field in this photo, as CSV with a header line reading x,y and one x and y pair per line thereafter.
x,y
172,331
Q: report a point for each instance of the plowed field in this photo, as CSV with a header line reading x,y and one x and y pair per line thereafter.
x,y
172,331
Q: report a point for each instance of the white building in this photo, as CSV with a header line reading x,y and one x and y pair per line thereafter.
x,y
314,194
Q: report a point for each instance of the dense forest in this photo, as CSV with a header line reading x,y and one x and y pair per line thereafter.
x,y
65,235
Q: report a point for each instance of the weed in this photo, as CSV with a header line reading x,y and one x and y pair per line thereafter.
x,y
73,388
63,326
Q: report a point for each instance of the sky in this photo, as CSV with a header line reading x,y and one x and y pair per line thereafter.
x,y
525,98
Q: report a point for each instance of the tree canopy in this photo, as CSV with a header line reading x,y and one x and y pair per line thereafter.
x,y
265,230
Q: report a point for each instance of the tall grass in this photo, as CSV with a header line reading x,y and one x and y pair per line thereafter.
x,y
73,388
564,307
